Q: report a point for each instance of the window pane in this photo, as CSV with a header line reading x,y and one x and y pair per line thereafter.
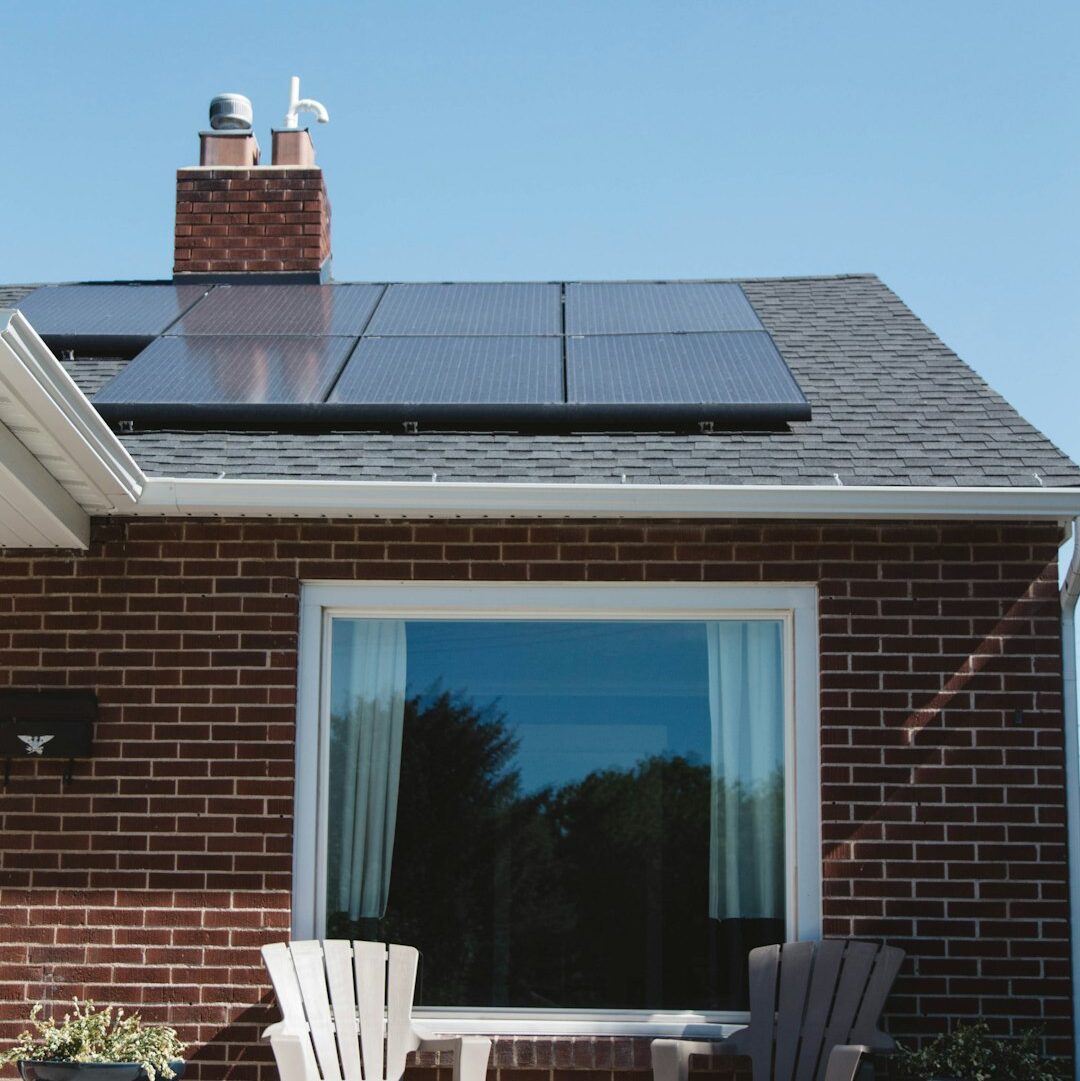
x,y
560,814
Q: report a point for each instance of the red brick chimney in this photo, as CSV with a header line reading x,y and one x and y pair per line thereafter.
x,y
237,219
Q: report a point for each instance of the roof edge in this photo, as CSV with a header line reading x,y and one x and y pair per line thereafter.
x,y
56,422
224,497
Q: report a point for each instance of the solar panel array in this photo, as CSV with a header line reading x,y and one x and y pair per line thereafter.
x,y
487,354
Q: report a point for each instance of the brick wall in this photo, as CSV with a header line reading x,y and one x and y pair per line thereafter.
x,y
263,219
151,880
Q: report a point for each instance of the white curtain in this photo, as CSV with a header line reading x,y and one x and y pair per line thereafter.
x,y
746,711
374,685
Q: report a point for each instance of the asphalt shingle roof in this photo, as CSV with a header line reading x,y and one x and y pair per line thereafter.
x,y
891,405
10,295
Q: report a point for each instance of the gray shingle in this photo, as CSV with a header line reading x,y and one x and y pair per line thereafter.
x,y
10,295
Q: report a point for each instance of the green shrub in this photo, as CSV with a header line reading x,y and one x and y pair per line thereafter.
x,y
970,1053
92,1036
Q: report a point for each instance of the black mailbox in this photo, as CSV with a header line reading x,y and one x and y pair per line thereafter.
x,y
46,724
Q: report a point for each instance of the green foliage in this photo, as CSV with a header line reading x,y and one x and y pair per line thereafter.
x,y
93,1036
970,1053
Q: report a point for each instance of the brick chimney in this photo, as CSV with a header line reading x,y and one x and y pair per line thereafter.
x,y
239,220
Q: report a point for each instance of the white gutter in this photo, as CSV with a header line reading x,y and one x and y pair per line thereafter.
x,y
1070,593
299,498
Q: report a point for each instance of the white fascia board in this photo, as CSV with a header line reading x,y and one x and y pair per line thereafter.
x,y
223,497
45,410
36,511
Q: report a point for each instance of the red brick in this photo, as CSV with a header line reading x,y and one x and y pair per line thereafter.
x,y
943,821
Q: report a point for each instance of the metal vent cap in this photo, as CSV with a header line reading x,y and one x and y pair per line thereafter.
x,y
231,112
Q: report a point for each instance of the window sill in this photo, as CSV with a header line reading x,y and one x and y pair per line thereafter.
x,y
468,1021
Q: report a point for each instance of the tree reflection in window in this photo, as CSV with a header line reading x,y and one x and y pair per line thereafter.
x,y
592,893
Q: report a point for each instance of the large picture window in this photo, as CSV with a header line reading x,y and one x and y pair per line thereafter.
x,y
568,799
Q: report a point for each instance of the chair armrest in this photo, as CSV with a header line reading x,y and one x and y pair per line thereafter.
x,y
671,1057
292,1053
844,1061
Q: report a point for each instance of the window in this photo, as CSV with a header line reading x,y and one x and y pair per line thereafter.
x,y
569,798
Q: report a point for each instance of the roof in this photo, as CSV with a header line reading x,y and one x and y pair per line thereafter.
x,y
891,405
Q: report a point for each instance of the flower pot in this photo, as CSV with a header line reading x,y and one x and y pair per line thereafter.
x,y
57,1070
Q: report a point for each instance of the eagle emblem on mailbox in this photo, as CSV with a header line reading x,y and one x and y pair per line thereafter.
x,y
35,744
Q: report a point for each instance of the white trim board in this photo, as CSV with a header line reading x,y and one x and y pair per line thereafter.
x,y
225,497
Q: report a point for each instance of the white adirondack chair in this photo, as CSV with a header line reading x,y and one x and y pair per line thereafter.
x,y
347,1014
814,1013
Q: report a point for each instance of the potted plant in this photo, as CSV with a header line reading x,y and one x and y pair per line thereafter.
x,y
91,1046
970,1053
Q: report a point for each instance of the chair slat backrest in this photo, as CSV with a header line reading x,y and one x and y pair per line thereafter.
x,y
400,984
311,975
353,1000
763,976
807,997
343,996
370,961
867,1020
790,1013
827,961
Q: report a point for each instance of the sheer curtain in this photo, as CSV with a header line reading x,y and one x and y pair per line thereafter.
x,y
372,675
746,711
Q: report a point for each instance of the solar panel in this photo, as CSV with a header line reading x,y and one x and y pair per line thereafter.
x,y
657,307
459,370
720,376
201,372
283,309
106,317
469,308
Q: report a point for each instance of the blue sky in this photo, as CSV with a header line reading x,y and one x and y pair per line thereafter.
x,y
935,144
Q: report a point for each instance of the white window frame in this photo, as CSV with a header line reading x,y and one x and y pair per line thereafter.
x,y
794,605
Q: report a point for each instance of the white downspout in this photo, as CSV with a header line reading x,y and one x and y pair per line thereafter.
x,y
1070,592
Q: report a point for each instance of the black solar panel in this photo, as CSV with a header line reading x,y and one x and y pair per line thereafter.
x,y
282,309
116,319
720,376
657,307
225,371
476,371
469,308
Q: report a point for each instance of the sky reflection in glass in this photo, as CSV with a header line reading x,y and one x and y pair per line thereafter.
x,y
579,696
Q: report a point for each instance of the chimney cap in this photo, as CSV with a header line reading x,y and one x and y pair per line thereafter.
x,y
231,112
